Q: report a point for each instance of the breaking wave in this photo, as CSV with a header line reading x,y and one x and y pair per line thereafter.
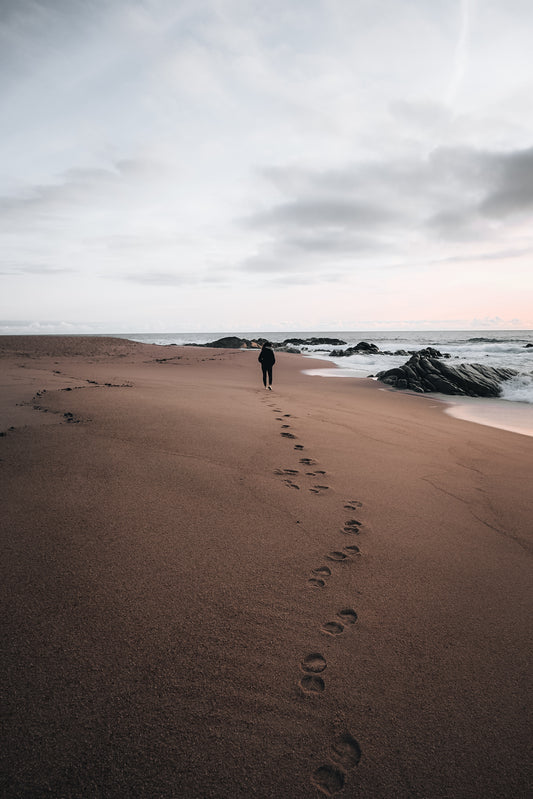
x,y
518,389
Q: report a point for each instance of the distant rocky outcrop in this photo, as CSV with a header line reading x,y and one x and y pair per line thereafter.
x,y
425,374
363,347
238,343
233,343
313,342
228,342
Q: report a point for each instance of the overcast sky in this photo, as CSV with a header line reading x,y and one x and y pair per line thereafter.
x,y
242,165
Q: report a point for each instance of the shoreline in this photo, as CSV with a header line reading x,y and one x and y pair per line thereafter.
x,y
213,590
515,417
500,413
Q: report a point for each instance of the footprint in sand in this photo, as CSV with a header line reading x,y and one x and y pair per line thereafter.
x,y
286,415
328,779
290,484
345,753
312,684
313,663
307,461
347,615
352,527
332,628
322,571
288,435
352,550
285,425
319,580
337,556
353,504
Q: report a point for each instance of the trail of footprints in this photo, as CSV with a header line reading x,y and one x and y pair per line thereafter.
x,y
345,753
288,474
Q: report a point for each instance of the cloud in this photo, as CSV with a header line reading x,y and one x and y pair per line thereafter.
x,y
426,116
36,35
497,255
387,207
89,217
338,214
81,186
35,268
19,326
156,278
512,189
72,187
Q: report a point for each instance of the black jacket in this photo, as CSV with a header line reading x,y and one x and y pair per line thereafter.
x,y
266,358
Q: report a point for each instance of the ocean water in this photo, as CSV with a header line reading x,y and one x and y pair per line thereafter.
x,y
500,348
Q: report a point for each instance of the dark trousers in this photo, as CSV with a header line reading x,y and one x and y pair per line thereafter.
x,y
267,370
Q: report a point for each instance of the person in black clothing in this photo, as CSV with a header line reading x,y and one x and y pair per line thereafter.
x,y
267,359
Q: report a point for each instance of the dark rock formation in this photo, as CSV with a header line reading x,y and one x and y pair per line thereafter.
x,y
424,374
363,347
336,342
237,343
229,342
429,352
232,343
528,346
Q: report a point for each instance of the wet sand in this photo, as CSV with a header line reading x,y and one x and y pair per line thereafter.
x,y
213,590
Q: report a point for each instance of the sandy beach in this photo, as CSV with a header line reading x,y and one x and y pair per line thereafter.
x,y
213,590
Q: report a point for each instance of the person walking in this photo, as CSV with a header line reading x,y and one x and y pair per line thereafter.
x,y
267,359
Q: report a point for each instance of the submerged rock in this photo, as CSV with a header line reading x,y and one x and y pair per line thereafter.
x,y
425,374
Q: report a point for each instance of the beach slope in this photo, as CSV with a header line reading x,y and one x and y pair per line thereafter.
x,y
213,590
